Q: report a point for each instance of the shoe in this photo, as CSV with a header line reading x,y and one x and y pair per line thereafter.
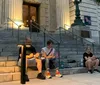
x,y
26,78
48,75
58,74
97,70
41,76
90,71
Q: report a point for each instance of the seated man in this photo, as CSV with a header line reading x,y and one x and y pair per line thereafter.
x,y
90,61
32,58
48,53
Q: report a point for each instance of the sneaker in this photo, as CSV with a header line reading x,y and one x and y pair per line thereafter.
x,y
26,78
97,70
48,75
58,74
90,71
41,76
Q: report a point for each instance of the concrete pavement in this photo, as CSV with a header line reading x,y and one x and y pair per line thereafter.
x,y
75,79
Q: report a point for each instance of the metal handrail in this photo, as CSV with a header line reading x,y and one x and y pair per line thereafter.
x,y
44,31
77,36
13,22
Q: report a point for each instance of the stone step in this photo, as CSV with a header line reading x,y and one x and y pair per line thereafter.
x,y
7,77
8,63
11,69
9,53
8,58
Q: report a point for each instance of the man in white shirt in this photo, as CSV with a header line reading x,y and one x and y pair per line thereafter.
x,y
48,53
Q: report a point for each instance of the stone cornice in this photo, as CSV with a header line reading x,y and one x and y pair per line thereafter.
x,y
32,1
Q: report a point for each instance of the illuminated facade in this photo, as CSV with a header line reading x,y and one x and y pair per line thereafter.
x,y
49,13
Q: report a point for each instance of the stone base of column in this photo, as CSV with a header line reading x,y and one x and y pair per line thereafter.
x,y
82,31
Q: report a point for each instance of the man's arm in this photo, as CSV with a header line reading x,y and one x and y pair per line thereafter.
x,y
35,54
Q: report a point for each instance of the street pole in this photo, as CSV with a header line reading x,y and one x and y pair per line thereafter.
x,y
23,64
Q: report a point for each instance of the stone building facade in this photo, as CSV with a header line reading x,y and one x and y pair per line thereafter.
x,y
45,11
50,14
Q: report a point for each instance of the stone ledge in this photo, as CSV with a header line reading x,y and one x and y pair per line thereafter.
x,y
75,70
8,63
9,69
11,63
5,77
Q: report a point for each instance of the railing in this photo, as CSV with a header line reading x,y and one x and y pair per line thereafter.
x,y
12,28
46,34
75,37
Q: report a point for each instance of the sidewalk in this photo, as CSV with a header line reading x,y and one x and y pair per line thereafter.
x,y
76,79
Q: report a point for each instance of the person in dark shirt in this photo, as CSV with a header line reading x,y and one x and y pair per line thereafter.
x,y
90,61
32,58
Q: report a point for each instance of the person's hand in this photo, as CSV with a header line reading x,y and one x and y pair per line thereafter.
x,y
51,56
89,58
93,58
37,55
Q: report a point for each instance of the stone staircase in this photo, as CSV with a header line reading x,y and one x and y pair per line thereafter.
x,y
9,71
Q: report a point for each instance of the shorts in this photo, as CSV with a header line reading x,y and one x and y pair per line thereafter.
x,y
30,62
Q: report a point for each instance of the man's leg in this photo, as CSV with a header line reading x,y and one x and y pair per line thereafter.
x,y
39,67
57,73
53,65
48,75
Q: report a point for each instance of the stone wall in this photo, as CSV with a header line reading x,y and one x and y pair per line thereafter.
x,y
88,8
53,20
13,9
63,15
2,11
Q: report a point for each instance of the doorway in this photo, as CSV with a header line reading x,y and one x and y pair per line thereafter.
x,y
30,12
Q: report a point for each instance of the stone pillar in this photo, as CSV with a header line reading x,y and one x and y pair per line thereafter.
x,y
14,12
63,16
53,20
44,14
15,9
0,11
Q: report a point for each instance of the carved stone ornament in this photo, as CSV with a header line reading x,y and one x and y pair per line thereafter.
x,y
31,1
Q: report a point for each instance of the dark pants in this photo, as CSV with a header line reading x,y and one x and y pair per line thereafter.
x,y
52,64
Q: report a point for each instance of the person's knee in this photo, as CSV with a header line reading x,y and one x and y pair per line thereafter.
x,y
39,61
97,61
89,61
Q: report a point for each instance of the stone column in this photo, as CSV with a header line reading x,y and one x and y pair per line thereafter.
x,y
44,14
63,16
53,20
0,11
2,8
15,10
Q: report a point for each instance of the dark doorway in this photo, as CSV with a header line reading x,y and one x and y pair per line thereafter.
x,y
30,13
